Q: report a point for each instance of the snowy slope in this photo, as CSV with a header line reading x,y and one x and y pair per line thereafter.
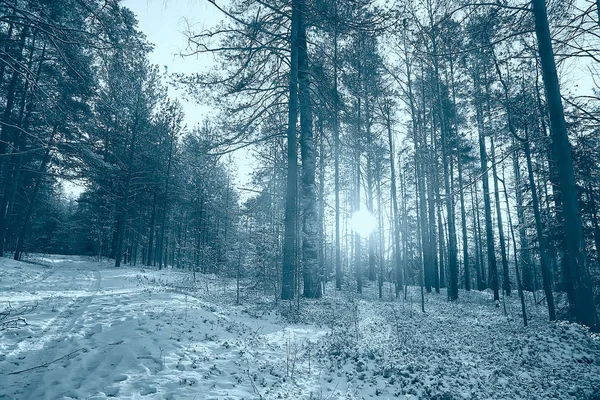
x,y
94,332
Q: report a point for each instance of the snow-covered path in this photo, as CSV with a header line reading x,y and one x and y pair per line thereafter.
x,y
90,331
98,332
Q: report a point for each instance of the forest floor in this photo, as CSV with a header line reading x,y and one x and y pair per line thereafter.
x,y
76,328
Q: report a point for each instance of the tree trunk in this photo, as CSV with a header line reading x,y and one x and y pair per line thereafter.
x,y
336,143
124,202
514,241
310,216
546,274
322,243
395,214
505,274
372,267
36,189
289,245
525,256
463,218
491,252
149,261
477,241
446,159
583,308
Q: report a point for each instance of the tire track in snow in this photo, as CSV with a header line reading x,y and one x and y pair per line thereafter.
x,y
70,315
40,278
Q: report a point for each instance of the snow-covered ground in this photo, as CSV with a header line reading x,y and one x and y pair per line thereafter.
x,y
82,329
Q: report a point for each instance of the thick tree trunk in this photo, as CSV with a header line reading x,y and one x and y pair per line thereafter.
x,y
443,254
583,307
420,141
310,216
289,244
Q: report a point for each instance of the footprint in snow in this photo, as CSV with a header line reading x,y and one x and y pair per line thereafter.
x,y
147,389
111,391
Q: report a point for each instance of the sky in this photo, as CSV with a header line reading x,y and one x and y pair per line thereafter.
x,y
164,23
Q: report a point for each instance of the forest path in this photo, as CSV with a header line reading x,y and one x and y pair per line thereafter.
x,y
95,332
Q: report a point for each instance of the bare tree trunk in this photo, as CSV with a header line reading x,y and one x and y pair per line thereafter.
x,y
124,202
149,261
381,235
372,267
336,133
357,241
420,251
446,159
525,256
505,274
583,308
491,252
463,219
546,274
310,217
514,241
395,214
477,240
321,272
290,244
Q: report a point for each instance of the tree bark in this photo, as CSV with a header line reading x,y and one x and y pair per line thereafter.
x,y
583,308
310,216
491,252
546,273
289,244
395,214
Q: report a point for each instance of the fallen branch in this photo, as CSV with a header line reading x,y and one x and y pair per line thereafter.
x,y
13,324
48,363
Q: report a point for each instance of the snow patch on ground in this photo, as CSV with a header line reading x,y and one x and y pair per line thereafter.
x,y
94,332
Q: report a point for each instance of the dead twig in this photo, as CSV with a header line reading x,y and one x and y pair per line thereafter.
x,y
49,362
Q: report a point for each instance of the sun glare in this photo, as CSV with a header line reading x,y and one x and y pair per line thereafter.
x,y
363,222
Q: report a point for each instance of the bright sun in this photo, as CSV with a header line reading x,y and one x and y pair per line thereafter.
x,y
363,222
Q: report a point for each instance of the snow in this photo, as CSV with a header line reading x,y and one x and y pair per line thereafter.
x,y
91,331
